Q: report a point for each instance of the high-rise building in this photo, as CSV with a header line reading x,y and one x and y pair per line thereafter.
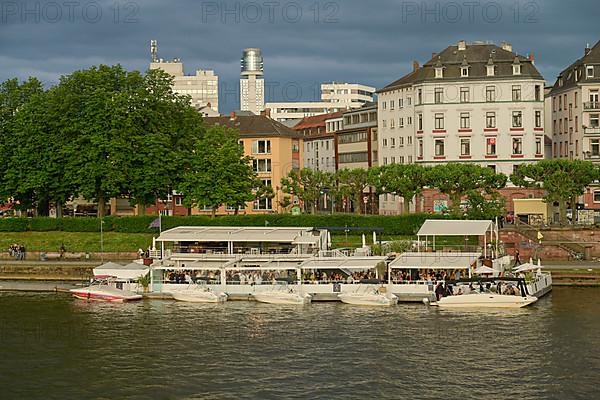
x,y
252,83
203,87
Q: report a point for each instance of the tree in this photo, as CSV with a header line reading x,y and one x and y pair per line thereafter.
x,y
352,183
307,184
563,180
404,180
481,205
218,172
458,180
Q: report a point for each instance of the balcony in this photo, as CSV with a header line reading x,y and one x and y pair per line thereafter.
x,y
592,131
591,105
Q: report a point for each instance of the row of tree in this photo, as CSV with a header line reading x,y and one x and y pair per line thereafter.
x,y
105,132
562,180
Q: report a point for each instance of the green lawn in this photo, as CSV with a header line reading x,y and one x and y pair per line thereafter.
x,y
76,241
129,242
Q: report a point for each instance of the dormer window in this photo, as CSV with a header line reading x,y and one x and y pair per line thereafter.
x,y
589,71
464,71
517,69
490,70
439,72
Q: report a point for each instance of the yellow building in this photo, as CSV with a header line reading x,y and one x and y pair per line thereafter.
x,y
275,149
531,211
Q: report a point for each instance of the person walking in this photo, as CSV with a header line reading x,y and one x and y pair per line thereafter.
x,y
517,259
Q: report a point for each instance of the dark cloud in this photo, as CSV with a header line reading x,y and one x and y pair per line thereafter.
x,y
371,42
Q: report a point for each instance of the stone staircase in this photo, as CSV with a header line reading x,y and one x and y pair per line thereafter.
x,y
575,249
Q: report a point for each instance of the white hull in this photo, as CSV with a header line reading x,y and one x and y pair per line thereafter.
x,y
282,298
485,300
541,285
104,293
368,299
199,297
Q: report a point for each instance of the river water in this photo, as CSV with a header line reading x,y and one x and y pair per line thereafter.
x,y
56,347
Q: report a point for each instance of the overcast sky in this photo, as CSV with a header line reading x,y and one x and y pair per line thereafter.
x,y
371,42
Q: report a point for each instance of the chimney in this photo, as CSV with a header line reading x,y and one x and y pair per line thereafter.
x,y
462,45
433,55
587,50
506,46
415,66
266,113
532,58
232,116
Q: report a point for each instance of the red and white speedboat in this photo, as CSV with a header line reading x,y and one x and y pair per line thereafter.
x,y
104,290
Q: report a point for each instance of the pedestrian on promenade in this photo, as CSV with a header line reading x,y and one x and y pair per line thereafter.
x,y
517,259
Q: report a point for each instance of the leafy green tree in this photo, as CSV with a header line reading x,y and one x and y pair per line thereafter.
x,y
352,183
404,180
307,184
218,172
563,180
458,180
485,206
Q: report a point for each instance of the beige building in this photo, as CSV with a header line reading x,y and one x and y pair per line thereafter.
x,y
202,87
275,149
473,102
575,109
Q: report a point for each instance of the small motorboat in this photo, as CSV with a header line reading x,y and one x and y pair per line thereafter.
x,y
502,294
485,300
105,290
282,295
373,297
199,294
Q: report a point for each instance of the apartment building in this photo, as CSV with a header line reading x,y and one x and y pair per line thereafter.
x,y
574,101
473,102
318,134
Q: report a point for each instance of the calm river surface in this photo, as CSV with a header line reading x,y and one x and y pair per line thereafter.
x,y
52,346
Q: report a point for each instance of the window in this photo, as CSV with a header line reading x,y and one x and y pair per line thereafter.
x,y
393,160
400,103
492,167
261,165
178,201
392,123
517,146
464,71
516,70
384,123
538,119
439,73
439,147
409,140
490,119
589,71
516,93
409,120
384,105
420,148
490,147
408,101
392,104
490,70
465,147
597,196
490,94
393,142
261,147
575,99
401,141
355,137
401,123
384,142
263,204
576,123
464,94
538,93
420,96
357,157
594,120
419,122
559,103
439,121
538,145
595,147
438,96
517,119
385,161
465,120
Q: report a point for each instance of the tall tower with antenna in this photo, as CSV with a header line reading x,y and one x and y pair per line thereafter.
x,y
154,50
252,87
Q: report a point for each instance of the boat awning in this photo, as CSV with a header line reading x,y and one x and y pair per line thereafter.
x,y
449,227
342,263
130,271
238,234
437,260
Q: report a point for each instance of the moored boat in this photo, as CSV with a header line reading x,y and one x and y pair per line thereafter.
x,y
102,290
372,297
282,295
198,294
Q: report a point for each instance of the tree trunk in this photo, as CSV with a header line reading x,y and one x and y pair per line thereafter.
x,y
406,205
213,213
43,208
101,206
59,211
562,208
142,209
237,211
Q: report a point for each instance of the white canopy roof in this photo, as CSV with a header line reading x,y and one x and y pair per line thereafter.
x,y
526,267
450,227
437,260
239,234
130,271
342,263
483,269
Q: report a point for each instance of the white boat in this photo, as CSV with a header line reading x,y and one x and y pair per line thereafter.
x,y
485,300
497,293
282,295
104,290
538,282
198,294
372,297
